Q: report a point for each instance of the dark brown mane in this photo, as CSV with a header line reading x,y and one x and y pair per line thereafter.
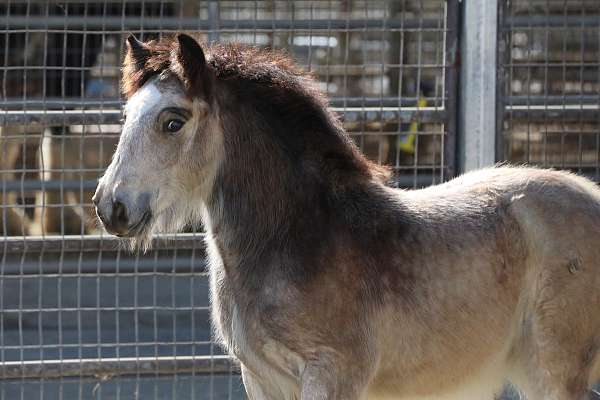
x,y
269,77
231,60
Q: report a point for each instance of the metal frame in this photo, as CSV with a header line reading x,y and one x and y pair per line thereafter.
x,y
369,113
123,366
91,243
478,86
132,24
451,85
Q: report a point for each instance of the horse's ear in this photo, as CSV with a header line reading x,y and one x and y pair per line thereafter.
x,y
137,53
192,62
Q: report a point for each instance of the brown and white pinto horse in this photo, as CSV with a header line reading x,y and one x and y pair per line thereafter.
x,y
325,283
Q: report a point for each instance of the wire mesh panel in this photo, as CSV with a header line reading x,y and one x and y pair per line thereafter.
x,y
83,319
549,72
80,318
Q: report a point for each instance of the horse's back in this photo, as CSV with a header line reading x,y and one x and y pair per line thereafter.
x,y
549,206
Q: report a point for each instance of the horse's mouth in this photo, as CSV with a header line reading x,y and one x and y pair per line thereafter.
x,y
139,227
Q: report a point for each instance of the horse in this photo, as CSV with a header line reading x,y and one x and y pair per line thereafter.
x,y
325,282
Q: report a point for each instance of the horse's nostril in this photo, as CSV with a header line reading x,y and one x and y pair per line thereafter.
x,y
119,215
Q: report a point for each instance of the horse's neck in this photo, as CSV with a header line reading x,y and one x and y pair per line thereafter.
x,y
248,228
283,225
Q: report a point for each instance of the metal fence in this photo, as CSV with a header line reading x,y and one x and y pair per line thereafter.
x,y
549,84
80,318
387,66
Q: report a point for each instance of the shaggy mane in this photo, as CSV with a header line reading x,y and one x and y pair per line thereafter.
x,y
228,61
275,73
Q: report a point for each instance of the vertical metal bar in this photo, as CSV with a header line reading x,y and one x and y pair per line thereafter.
x,y
528,87
478,84
213,20
441,169
22,261
384,36
501,79
136,317
546,90
597,134
563,58
400,92
155,283
581,90
40,294
416,91
81,136
4,149
3,267
451,64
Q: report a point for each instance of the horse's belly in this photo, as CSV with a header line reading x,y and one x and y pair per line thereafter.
x,y
447,354
484,384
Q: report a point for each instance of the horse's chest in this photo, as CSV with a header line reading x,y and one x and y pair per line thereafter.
x,y
241,330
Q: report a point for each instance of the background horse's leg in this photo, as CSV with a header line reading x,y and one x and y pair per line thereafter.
x,y
12,221
53,213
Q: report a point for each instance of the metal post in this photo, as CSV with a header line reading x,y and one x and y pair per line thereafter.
x,y
501,79
477,115
452,60
214,19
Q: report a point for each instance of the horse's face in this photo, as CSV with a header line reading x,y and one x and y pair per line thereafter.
x,y
165,161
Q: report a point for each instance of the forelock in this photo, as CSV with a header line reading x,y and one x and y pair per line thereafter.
x,y
158,61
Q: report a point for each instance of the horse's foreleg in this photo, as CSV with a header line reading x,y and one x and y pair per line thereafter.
x,y
344,383
258,389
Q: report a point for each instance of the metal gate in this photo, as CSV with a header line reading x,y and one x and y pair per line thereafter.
x,y
549,84
81,318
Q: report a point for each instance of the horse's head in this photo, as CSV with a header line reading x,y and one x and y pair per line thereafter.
x,y
169,149
234,133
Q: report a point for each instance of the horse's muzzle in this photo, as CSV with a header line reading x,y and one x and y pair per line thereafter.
x,y
120,215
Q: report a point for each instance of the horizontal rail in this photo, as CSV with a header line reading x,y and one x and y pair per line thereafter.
x,y
30,185
571,112
27,265
57,103
569,100
141,24
85,243
110,367
551,21
114,103
107,116
60,117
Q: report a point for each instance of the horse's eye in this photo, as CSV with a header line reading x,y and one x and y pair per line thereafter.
x,y
173,125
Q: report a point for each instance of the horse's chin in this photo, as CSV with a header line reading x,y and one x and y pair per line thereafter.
x,y
166,221
138,243
141,239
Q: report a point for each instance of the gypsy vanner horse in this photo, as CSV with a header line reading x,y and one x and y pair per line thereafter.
x,y
326,283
